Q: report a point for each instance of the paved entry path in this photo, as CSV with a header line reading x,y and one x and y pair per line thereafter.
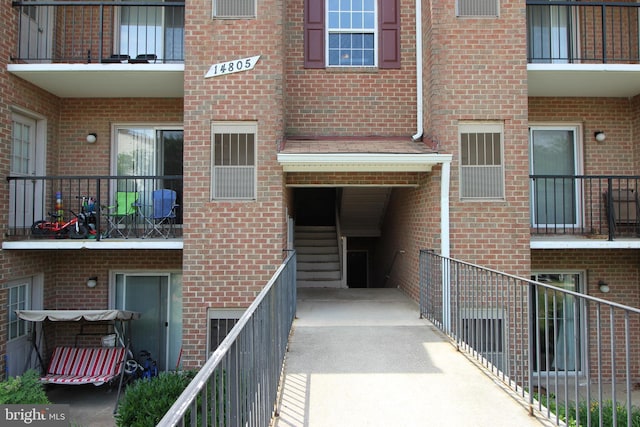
x,y
363,357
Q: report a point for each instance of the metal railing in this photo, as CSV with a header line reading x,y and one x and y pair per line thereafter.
x,y
139,214
594,32
239,383
562,351
100,31
597,205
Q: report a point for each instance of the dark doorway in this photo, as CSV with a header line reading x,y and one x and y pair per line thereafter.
x,y
357,276
315,206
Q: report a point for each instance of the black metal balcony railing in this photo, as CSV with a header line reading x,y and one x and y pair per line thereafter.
x,y
595,206
582,32
108,206
100,31
572,356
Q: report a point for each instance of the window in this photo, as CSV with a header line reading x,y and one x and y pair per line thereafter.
x,y
356,33
23,144
234,161
18,300
234,8
481,166
477,8
152,151
351,28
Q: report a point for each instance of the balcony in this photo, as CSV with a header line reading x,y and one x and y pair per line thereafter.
x,y
583,49
94,49
113,212
585,211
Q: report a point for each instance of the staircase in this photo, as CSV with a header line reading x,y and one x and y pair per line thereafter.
x,y
318,257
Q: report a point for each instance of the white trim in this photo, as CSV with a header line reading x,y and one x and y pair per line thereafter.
x,y
361,162
578,166
93,244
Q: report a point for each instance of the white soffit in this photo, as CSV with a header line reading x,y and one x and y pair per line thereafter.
x,y
583,80
360,162
105,80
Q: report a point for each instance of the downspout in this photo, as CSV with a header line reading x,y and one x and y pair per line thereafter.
x,y
419,106
445,242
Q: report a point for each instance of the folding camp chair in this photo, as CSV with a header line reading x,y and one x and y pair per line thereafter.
x,y
161,218
120,216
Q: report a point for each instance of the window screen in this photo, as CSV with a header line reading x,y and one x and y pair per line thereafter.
x,y
481,174
234,161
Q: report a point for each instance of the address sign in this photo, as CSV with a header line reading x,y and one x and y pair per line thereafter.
x,y
229,67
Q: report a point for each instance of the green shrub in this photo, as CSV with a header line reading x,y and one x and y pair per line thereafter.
x,y
25,389
594,409
147,400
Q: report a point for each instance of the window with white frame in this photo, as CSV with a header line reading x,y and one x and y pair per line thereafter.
x,y
237,9
477,8
351,33
481,164
234,160
18,300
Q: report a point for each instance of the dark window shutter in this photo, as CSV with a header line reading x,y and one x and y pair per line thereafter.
x,y
314,33
389,37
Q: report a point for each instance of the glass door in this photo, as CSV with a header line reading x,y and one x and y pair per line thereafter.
x,y
556,324
555,161
152,30
550,34
158,299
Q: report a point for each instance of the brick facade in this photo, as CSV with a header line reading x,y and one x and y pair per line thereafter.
x,y
232,247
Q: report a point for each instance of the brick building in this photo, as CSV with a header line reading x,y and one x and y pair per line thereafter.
x,y
378,128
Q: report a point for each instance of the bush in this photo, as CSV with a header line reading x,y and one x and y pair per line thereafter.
x,y
25,389
147,400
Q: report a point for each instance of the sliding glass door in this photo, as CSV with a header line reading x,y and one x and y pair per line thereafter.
x,y
554,162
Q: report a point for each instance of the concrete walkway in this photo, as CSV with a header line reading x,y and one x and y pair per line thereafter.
x,y
363,357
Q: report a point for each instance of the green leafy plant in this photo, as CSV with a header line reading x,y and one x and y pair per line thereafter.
x,y
147,400
25,389
569,414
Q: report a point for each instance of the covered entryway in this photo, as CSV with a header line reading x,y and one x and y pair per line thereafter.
x,y
352,209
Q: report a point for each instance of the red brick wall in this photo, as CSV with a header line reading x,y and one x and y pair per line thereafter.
x,y
231,248
351,102
81,116
619,269
614,116
461,84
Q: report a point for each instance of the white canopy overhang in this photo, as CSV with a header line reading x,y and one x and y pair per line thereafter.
x,y
76,315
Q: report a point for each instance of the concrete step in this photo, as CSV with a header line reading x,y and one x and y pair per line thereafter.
x,y
323,250
318,266
319,283
310,257
318,275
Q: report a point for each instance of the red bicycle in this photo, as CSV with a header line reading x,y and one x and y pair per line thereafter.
x,y
76,228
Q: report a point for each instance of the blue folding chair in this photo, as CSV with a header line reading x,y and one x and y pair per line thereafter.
x,y
162,218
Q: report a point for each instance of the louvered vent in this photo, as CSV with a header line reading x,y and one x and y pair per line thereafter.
x,y
477,8
234,8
